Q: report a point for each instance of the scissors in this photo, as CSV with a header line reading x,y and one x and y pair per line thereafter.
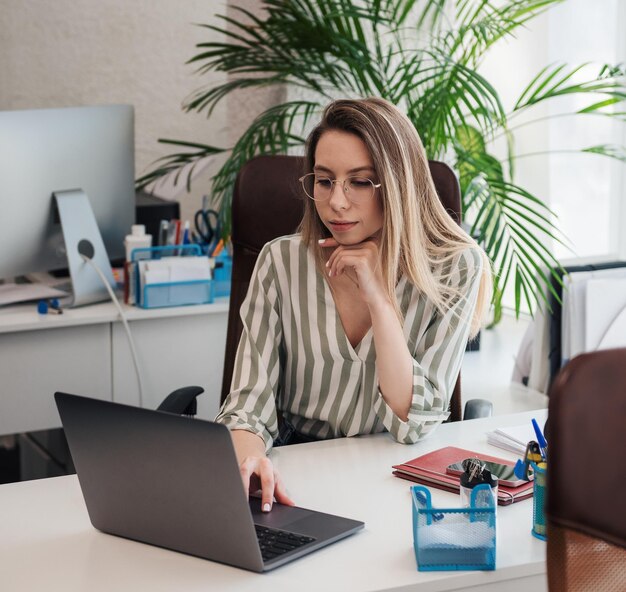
x,y
207,223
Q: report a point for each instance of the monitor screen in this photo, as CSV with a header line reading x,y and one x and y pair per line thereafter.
x,y
43,151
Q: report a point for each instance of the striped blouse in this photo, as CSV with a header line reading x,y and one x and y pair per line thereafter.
x,y
295,356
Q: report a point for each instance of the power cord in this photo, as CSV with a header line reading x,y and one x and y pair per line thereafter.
x,y
122,314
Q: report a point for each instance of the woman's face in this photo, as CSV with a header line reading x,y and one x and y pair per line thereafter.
x,y
339,155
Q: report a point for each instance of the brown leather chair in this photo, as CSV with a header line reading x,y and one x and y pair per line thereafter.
x,y
586,475
268,203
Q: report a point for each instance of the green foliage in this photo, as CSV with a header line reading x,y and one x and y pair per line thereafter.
x,y
423,56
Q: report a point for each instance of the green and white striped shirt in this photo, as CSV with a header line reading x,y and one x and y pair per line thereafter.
x,y
295,356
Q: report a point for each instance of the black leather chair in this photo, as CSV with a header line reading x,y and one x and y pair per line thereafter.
x,y
268,203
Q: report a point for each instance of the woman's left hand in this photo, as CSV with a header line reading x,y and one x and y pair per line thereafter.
x,y
361,263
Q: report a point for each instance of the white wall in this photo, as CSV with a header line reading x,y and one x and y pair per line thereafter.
x,y
58,53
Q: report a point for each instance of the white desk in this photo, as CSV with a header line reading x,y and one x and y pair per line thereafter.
x,y
48,543
85,351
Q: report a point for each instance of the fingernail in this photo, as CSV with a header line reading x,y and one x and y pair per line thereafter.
x,y
327,263
330,273
322,240
266,507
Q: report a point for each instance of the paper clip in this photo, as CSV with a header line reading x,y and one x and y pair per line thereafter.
x,y
473,467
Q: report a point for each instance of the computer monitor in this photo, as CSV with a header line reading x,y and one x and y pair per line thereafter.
x,y
44,151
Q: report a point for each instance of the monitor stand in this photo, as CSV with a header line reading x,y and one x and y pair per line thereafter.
x,y
82,237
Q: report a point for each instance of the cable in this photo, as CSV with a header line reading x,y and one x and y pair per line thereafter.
x,y
131,343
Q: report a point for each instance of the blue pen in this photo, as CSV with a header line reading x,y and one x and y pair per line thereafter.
x,y
186,240
543,445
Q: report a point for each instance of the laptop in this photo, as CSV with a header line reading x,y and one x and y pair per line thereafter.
x,y
174,482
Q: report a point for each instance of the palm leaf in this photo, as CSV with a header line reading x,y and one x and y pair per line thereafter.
x,y
617,152
180,163
557,80
274,131
413,54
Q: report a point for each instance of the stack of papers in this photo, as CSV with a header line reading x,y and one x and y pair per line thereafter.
x,y
14,293
514,438
594,311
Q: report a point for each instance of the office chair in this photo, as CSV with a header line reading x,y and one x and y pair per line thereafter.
x,y
182,401
268,203
586,475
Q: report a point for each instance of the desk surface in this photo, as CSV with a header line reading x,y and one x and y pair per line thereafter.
x,y
48,543
24,317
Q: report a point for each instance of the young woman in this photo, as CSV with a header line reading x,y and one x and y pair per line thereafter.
x,y
357,324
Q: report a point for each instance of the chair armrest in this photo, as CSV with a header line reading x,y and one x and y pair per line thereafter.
x,y
182,401
475,408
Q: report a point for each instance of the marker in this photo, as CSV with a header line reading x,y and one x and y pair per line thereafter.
x,y
218,248
543,445
186,238
163,228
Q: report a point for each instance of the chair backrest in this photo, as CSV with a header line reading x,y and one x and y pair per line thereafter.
x,y
586,475
268,203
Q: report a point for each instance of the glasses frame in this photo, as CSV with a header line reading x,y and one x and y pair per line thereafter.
x,y
334,182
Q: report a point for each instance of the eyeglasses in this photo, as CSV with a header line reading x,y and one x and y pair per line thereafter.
x,y
356,188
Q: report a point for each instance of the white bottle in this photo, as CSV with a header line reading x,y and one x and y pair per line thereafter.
x,y
137,239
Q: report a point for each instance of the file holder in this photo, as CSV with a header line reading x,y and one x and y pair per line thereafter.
x,y
451,539
539,500
166,294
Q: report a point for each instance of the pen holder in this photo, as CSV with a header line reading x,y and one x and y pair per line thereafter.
x,y
454,539
222,273
539,498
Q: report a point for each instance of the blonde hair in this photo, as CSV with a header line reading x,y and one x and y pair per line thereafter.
x,y
419,239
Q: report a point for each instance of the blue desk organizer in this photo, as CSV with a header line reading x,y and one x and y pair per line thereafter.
x,y
222,274
450,539
171,293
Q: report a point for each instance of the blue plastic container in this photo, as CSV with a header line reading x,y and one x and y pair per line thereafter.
x,y
171,293
222,274
451,539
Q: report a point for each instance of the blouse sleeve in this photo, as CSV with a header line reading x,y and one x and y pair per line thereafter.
x,y
251,403
437,357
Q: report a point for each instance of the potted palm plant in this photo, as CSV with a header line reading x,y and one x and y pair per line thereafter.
x,y
424,57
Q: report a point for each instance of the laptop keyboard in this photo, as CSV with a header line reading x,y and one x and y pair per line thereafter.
x,y
274,542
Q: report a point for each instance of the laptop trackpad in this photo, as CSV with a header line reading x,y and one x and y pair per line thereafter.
x,y
280,517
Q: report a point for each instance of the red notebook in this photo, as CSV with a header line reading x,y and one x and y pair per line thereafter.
x,y
430,469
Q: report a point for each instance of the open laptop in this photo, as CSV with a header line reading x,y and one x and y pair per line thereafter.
x,y
174,482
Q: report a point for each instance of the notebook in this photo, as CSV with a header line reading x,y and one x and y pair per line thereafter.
x,y
174,482
430,469
514,438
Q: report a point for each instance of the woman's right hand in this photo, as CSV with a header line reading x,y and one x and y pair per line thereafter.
x,y
258,472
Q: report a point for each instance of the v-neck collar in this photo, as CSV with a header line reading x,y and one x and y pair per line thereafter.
x,y
362,350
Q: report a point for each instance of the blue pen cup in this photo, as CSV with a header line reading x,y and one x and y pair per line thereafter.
x,y
539,502
452,539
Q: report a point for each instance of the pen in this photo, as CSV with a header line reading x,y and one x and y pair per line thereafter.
x,y
543,445
218,248
186,239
